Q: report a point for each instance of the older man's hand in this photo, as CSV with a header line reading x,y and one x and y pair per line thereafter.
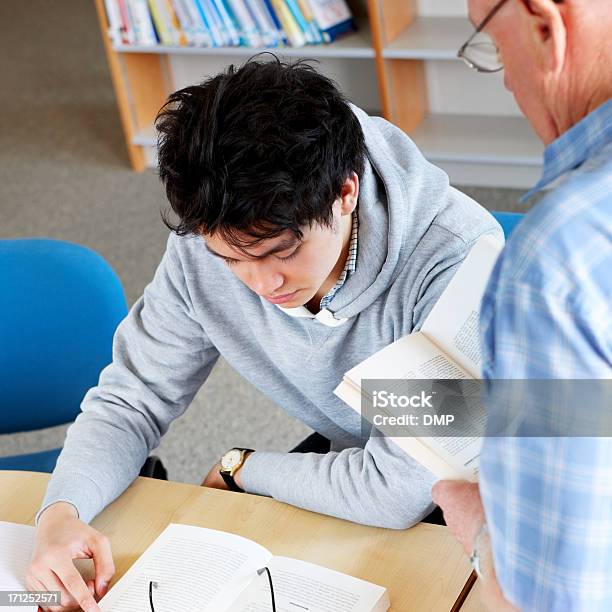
x,y
463,512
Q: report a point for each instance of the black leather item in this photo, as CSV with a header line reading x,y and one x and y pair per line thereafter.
x,y
231,483
228,478
314,443
154,468
435,517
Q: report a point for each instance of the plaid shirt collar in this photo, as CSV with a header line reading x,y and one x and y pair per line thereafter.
x,y
349,266
581,142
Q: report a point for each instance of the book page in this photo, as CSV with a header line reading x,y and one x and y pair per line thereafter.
x,y
301,586
411,357
453,323
196,570
16,546
449,458
416,357
457,445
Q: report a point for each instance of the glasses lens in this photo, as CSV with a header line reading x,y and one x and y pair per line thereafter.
x,y
482,53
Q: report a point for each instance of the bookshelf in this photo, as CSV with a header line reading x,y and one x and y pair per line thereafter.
x,y
401,63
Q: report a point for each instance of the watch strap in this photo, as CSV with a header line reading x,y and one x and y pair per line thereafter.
x,y
228,478
231,483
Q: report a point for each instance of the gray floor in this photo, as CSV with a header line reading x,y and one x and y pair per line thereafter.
x,y
64,174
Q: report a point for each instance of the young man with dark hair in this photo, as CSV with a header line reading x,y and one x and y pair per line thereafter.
x,y
309,236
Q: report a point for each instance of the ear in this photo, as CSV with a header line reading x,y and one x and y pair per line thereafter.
x,y
549,30
349,194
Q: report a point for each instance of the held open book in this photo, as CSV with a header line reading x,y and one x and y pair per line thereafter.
x,y
447,347
203,570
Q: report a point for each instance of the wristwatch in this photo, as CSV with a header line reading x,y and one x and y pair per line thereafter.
x,y
231,462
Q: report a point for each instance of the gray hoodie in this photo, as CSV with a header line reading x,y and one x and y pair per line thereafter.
x,y
414,231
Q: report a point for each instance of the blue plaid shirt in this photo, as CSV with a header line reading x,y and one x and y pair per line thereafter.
x,y
547,314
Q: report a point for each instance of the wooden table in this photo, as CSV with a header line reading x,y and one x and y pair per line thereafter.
x,y
423,568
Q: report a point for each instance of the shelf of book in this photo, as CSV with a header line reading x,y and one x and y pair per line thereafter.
x,y
410,46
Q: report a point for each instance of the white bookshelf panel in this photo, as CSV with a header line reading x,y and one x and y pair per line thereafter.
x,y
442,8
485,140
479,140
488,175
437,38
357,45
453,88
484,151
355,77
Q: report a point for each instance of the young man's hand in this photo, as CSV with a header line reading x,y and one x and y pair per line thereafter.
x,y
462,507
214,480
61,537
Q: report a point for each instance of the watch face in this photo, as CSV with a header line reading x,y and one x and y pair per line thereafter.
x,y
231,459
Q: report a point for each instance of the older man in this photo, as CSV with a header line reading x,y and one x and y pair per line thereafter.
x,y
547,315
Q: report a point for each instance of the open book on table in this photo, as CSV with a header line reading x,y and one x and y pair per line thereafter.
x,y
446,347
203,570
16,546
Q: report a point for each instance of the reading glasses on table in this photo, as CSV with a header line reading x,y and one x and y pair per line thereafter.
x,y
153,585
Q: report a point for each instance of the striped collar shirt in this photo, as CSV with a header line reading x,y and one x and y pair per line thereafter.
x,y
349,266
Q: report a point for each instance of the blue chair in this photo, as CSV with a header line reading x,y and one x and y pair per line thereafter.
x,y
508,221
60,304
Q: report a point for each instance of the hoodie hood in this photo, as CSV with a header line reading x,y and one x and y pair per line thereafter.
x,y
400,195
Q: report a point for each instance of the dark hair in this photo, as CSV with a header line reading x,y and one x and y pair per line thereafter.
x,y
257,150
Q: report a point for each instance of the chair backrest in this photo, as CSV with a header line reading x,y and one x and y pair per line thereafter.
x,y
60,304
508,221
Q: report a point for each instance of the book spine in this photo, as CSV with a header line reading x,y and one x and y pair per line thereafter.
x,y
266,26
292,31
309,17
178,35
234,23
164,35
114,21
233,37
142,16
133,18
205,12
250,31
128,28
184,19
276,21
333,18
296,13
200,25
253,10
339,30
216,22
